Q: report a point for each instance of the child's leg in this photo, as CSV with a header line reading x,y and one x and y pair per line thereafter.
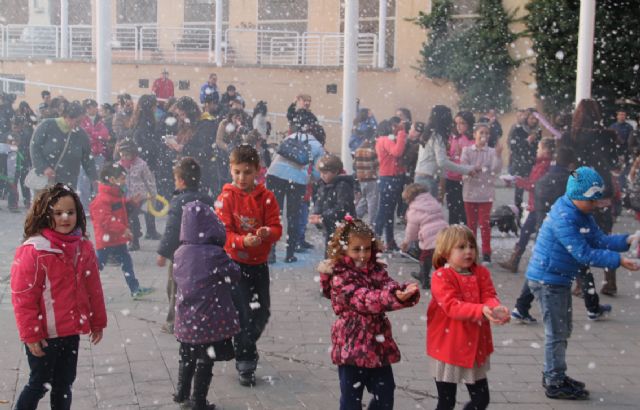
x,y
479,394
426,261
187,367
150,225
381,385
446,395
171,295
471,211
124,258
352,381
13,196
133,213
588,288
64,372
524,301
41,373
484,215
202,377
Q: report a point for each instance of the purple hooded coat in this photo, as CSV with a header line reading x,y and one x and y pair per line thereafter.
x,y
204,274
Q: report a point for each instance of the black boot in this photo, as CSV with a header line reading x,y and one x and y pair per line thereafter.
x,y
512,263
201,383
185,374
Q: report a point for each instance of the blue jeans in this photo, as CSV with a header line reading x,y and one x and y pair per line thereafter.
x,y
56,370
121,254
430,182
389,189
378,381
555,305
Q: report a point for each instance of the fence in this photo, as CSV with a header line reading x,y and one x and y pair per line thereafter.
x,y
194,42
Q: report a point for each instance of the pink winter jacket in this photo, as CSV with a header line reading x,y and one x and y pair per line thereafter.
x,y
424,220
481,186
140,180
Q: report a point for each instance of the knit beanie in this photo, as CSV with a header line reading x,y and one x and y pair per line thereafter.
x,y
585,184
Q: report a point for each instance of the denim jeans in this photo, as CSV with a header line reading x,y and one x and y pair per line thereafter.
x,y
303,221
294,194
56,368
430,182
369,202
123,257
84,183
555,305
388,190
378,381
253,301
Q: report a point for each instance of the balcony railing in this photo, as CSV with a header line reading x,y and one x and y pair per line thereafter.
x,y
192,43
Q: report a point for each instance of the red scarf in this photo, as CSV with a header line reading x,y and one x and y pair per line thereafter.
x,y
67,243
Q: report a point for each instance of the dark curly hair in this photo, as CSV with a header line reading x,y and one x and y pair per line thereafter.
x,y
40,215
339,242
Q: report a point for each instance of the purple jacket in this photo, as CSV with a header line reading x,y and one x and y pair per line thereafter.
x,y
204,274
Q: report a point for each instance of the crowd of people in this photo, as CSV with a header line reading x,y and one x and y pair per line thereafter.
x,y
228,191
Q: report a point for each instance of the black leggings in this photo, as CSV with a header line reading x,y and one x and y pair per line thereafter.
x,y
479,393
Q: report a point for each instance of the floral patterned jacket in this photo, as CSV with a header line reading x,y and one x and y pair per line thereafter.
x,y
361,336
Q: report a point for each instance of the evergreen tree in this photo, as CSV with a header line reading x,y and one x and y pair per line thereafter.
x,y
475,60
553,26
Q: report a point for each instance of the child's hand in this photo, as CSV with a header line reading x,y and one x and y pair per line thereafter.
x,y
161,261
96,336
36,348
326,266
407,293
127,234
263,232
629,264
495,315
136,199
502,314
404,246
315,219
251,241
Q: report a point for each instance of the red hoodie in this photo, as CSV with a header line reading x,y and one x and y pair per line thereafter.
x,y
244,212
109,216
540,168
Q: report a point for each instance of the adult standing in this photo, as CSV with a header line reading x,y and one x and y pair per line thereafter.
x,y
597,147
523,143
432,154
460,137
259,121
288,181
98,133
299,113
389,149
163,86
122,123
209,88
48,147
43,107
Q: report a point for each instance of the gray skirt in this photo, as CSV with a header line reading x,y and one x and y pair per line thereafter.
x,y
445,372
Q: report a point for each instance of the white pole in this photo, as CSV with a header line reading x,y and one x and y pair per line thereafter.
x,y
64,28
382,34
103,52
349,78
218,39
585,49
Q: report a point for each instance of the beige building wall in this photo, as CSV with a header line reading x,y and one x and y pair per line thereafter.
x,y
380,90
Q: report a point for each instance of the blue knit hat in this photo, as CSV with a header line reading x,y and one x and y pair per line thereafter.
x,y
585,184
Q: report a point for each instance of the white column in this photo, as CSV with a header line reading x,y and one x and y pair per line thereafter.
x,y
64,28
103,51
382,30
585,49
349,78
218,36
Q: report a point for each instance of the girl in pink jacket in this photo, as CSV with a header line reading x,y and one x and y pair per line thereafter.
x,y
361,291
56,295
425,219
478,190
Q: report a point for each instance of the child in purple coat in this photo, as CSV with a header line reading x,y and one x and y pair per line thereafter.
x,y
206,318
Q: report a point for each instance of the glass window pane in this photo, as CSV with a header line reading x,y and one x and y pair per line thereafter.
x,y
282,9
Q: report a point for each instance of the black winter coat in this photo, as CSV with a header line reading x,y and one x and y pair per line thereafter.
x,y
171,237
548,189
334,200
523,154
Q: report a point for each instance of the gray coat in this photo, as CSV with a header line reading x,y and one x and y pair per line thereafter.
x,y
46,147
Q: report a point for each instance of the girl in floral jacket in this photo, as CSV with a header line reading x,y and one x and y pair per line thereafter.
x,y
361,291
463,304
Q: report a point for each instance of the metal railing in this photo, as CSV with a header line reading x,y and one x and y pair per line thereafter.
x,y
194,42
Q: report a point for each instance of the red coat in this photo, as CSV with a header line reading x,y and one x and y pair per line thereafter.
x,y
109,216
52,298
244,212
540,168
98,135
361,336
390,151
457,331
162,88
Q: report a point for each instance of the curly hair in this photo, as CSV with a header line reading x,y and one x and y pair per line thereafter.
x,y
349,227
40,215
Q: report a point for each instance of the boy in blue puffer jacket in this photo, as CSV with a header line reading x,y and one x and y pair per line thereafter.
x,y
568,240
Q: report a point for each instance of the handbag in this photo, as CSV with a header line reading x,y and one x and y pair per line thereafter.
x,y
39,182
295,150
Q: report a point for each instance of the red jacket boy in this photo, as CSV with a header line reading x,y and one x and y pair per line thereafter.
x,y
109,215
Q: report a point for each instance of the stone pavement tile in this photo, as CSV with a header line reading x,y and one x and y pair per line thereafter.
x,y
148,371
240,403
317,401
277,399
117,397
154,394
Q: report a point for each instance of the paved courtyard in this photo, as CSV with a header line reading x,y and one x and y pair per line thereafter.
x,y
135,366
